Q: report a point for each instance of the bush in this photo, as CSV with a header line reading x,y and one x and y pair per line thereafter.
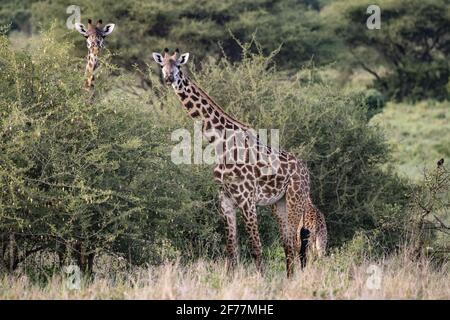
x,y
82,177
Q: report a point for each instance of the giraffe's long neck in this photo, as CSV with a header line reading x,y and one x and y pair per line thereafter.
x,y
200,106
234,141
91,65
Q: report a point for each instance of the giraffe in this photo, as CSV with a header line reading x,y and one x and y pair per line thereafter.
x,y
94,39
94,35
265,177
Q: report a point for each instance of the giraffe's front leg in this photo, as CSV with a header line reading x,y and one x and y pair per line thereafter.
x,y
228,213
251,225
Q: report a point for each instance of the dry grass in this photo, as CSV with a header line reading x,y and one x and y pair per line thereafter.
x,y
330,278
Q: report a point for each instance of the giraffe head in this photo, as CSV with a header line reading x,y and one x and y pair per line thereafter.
x,y
94,38
170,64
94,34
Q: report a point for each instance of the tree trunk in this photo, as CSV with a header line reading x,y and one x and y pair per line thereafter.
x,y
61,251
85,260
12,260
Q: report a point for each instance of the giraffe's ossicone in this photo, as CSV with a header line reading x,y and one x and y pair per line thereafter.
x,y
251,174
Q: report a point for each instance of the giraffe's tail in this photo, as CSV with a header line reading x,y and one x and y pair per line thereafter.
x,y
304,243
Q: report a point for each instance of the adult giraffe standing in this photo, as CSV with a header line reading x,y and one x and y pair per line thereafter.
x,y
94,40
264,176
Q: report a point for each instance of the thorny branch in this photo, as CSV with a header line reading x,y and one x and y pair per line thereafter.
x,y
427,200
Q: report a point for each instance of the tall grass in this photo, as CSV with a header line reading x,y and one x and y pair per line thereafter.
x,y
333,277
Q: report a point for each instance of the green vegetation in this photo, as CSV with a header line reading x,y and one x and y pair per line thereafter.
x,y
87,177
419,135
97,174
202,27
76,173
413,43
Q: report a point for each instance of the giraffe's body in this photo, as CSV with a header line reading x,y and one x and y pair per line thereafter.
x,y
250,174
94,39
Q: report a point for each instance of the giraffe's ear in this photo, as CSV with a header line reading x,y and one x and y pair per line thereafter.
x,y
108,29
183,58
81,29
158,58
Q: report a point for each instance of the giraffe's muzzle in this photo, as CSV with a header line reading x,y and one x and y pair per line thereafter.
x,y
169,79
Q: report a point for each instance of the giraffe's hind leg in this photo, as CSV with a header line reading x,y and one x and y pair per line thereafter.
x,y
313,234
321,238
296,205
281,214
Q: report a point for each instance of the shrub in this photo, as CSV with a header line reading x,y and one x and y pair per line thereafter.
x,y
430,201
81,177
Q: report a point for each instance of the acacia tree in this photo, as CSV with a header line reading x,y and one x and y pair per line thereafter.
x,y
83,176
413,44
